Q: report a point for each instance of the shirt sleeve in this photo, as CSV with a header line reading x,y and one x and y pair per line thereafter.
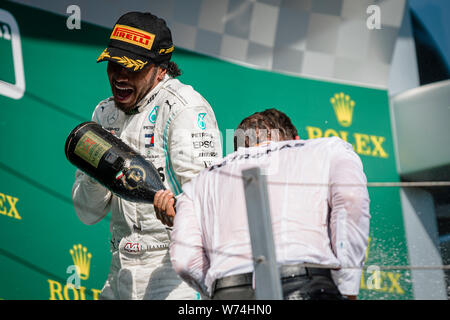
x,y
350,217
187,252
193,143
91,200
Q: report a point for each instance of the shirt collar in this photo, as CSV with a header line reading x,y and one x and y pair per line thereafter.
x,y
141,105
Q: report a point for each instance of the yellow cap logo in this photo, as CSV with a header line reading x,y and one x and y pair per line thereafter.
x,y
82,259
133,36
343,108
166,51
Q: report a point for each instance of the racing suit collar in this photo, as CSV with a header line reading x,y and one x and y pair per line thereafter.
x,y
141,105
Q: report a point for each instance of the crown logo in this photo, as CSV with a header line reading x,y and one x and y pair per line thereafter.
x,y
343,108
82,259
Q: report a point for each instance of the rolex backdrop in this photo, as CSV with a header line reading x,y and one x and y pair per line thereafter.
x,y
50,82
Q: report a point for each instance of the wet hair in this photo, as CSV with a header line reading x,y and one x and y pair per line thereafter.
x,y
282,123
270,124
172,69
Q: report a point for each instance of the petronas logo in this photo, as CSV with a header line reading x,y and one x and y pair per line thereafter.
x,y
152,115
343,108
82,259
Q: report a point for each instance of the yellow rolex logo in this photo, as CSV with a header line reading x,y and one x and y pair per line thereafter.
x,y
72,288
82,259
343,108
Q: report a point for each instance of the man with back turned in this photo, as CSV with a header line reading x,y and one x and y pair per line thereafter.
x,y
319,208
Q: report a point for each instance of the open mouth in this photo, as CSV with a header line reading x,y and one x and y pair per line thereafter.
x,y
122,92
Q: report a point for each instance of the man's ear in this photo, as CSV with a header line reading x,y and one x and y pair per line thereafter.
x,y
161,73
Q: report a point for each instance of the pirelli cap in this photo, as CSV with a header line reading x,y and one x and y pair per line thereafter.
x,y
139,39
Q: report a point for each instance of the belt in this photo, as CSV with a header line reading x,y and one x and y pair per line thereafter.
x,y
295,270
286,272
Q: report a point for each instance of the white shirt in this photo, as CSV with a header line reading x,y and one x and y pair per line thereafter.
x,y
316,216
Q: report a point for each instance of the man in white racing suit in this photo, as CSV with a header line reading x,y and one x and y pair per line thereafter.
x,y
319,207
172,126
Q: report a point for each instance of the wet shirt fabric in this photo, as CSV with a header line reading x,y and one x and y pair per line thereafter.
x,y
319,207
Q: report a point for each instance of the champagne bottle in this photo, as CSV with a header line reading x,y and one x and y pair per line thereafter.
x,y
113,163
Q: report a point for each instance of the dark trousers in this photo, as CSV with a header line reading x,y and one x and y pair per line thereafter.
x,y
309,285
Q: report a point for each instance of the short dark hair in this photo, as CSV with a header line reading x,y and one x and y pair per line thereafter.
x,y
259,126
282,123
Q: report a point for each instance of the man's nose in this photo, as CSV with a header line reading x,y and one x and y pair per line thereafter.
x,y
122,74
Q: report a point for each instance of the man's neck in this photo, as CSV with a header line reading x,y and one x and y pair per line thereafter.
x,y
148,96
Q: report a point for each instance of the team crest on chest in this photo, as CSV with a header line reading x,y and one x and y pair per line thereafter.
x,y
152,115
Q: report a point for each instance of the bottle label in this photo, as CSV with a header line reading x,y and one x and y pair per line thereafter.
x,y
91,148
